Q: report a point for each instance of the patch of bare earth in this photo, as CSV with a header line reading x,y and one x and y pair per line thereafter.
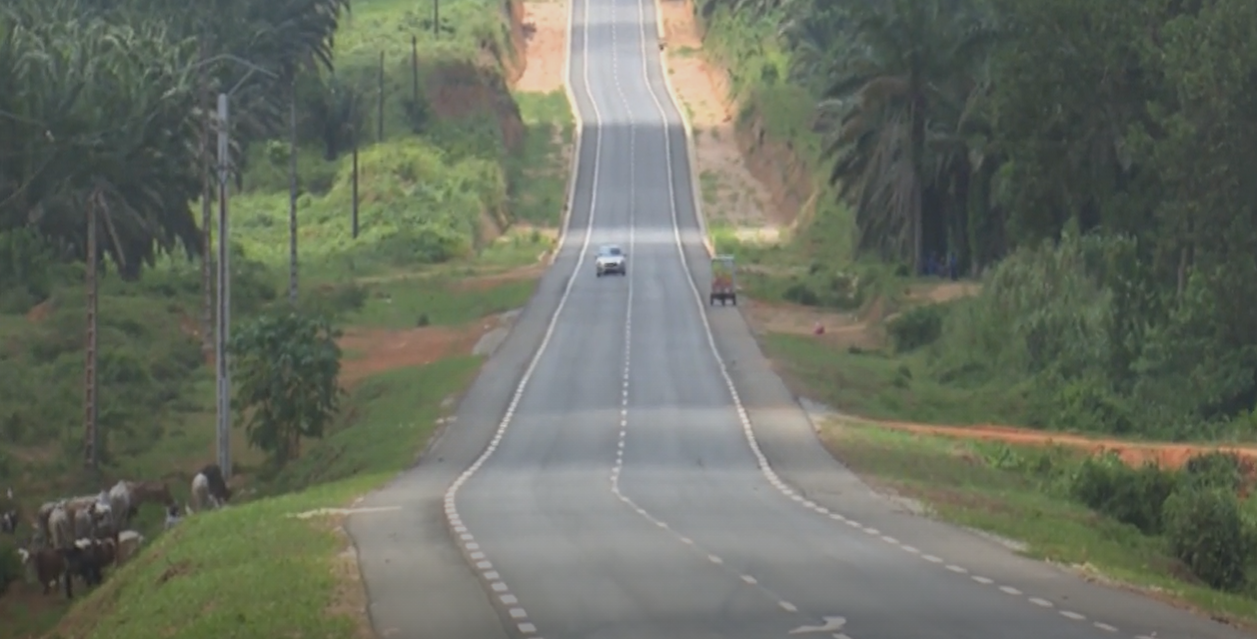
x,y
545,32
545,49
731,195
837,328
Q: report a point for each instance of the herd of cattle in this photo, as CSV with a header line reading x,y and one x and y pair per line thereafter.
x,y
81,536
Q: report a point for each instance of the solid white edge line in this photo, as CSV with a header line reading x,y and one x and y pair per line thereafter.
x,y
743,416
691,153
578,125
451,493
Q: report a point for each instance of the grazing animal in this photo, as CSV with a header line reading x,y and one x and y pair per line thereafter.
x,y
93,557
48,566
60,529
8,522
128,543
209,489
85,522
126,497
9,514
72,505
172,516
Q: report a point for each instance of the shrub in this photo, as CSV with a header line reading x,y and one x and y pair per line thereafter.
x,y
1216,469
1131,496
10,564
920,326
1206,531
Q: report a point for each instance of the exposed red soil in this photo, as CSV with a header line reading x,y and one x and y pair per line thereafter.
x,y
1134,453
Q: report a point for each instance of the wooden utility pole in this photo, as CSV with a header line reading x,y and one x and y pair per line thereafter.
x,y
207,237
354,129
91,438
414,69
379,125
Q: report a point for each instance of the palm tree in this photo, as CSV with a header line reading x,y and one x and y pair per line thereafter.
x,y
300,38
894,91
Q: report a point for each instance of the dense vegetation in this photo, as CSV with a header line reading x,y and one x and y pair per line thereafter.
x,y
1088,159
105,110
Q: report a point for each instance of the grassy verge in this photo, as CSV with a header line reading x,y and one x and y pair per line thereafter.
x,y
439,300
247,567
1019,493
207,577
879,385
453,203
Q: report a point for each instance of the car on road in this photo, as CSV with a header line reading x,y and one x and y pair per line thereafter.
x,y
611,259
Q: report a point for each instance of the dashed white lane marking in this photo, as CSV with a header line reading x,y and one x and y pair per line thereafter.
x,y
454,520
1010,590
618,467
1070,614
748,430
1104,626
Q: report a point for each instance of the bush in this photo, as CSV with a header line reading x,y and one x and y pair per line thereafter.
x,y
918,327
1132,496
10,565
1217,469
1206,531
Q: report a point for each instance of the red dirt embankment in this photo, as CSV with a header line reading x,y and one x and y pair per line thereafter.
x,y
1134,453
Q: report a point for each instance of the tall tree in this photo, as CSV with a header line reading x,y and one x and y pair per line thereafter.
x,y
899,86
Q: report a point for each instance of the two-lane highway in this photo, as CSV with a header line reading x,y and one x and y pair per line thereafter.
x,y
631,488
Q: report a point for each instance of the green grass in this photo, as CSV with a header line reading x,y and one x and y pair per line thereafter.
x,y
223,563
249,569
392,416
879,386
404,303
759,70
550,125
709,184
1001,489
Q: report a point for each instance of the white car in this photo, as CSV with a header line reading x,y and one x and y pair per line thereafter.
x,y
610,259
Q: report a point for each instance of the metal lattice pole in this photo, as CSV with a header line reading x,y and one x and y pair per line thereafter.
x,y
222,371
91,438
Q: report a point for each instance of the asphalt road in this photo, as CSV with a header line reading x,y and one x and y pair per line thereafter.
x,y
630,493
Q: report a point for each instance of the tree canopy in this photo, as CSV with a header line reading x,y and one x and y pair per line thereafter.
x,y
105,103
1094,156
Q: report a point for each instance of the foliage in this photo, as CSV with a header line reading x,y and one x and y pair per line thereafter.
x,y
1092,162
1021,493
103,121
10,563
1207,532
286,367
917,327
1132,496
1222,470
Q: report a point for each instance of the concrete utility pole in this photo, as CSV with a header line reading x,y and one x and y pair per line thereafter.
x,y
222,332
91,435
223,326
